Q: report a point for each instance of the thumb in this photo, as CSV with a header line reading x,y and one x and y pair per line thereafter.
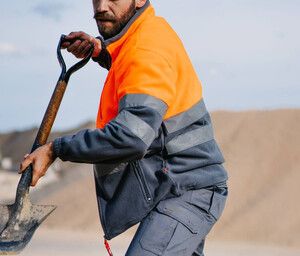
x,y
97,46
26,162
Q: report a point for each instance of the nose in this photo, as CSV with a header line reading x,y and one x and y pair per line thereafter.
x,y
101,5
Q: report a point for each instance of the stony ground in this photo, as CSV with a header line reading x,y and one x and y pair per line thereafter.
x,y
63,243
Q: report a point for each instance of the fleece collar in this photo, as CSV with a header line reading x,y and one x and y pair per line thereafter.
x,y
114,42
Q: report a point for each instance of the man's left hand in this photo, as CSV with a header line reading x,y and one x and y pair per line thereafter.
x,y
41,159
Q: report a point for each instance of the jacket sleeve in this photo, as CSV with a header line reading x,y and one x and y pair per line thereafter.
x,y
123,139
141,110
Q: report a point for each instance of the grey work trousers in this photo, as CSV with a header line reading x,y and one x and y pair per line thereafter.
x,y
178,226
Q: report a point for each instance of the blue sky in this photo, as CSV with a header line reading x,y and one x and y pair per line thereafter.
x,y
246,54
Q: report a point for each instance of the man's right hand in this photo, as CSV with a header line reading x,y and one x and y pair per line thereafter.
x,y
80,43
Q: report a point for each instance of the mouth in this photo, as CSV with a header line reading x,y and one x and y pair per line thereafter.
x,y
104,24
102,20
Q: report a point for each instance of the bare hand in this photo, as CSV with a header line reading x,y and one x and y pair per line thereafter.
x,y
40,159
80,43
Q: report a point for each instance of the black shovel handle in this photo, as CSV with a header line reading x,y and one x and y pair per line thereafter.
x,y
50,114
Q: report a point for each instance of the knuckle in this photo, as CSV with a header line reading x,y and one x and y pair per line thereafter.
x,y
77,43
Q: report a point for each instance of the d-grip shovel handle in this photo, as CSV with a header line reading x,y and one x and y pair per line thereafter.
x,y
50,114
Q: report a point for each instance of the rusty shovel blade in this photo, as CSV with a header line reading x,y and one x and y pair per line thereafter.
x,y
19,221
17,229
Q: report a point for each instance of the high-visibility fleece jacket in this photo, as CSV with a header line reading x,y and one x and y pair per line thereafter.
x,y
154,137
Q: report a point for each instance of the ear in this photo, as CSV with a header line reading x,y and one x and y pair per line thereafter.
x,y
140,3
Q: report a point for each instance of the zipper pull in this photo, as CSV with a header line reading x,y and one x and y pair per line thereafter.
x,y
108,247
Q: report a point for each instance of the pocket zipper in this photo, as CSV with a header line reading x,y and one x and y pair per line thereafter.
x,y
142,180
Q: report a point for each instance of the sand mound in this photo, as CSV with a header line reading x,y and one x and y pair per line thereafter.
x,y
262,150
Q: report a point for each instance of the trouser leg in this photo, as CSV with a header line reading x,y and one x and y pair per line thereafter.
x,y
177,226
199,250
135,247
159,234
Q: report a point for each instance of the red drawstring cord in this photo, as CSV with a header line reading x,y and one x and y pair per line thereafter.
x,y
107,247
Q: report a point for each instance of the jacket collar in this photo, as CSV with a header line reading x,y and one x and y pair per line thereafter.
x,y
114,42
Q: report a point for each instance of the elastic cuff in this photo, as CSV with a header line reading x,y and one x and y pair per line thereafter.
x,y
57,147
104,59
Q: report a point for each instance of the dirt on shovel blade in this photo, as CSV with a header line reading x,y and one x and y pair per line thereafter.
x,y
16,230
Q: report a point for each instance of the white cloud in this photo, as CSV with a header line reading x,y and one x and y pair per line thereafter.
x,y
8,49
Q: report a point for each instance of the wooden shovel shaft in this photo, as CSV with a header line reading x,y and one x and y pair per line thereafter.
x,y
41,138
50,114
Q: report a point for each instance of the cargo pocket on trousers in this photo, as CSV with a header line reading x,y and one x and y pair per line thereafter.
x,y
158,233
170,215
194,219
218,201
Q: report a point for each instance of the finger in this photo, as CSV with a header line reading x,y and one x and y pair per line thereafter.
x,y
74,46
26,162
65,45
78,50
85,51
71,36
36,176
76,35
26,156
97,47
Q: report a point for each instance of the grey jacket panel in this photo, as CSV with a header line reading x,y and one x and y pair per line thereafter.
x,y
139,162
112,144
170,167
127,196
119,141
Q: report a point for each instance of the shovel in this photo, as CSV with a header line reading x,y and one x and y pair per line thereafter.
x,y
19,221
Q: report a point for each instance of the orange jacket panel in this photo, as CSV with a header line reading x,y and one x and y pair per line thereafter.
x,y
150,59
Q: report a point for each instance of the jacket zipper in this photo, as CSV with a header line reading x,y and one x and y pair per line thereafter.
x,y
140,175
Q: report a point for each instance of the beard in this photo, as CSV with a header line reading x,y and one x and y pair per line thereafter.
x,y
109,26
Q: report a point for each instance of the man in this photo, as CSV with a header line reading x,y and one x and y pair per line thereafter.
x,y
155,158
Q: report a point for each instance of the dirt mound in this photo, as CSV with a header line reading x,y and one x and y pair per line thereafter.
x,y
262,149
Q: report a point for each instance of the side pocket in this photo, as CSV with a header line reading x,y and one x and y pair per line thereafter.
x,y
218,201
193,219
142,181
158,232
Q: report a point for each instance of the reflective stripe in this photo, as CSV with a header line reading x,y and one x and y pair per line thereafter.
x,y
136,100
190,139
108,169
186,118
137,126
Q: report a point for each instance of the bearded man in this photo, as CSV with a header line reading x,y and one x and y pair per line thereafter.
x,y
154,154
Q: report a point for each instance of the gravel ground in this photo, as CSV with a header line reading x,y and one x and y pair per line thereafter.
x,y
67,243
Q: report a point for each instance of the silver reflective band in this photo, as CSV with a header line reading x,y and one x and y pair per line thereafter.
x,y
137,126
190,139
186,118
136,100
102,169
